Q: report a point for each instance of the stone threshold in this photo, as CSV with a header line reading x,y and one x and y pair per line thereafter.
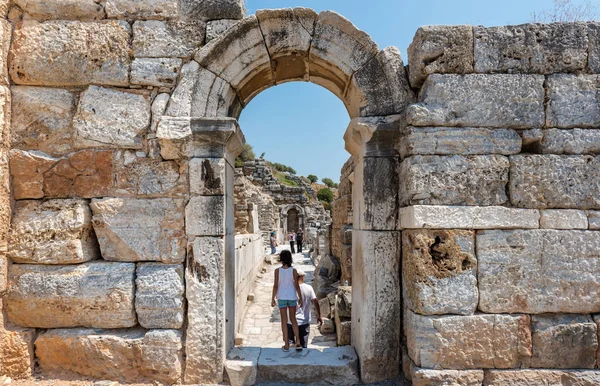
x,y
261,365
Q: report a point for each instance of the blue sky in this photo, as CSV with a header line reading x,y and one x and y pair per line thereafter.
x,y
301,124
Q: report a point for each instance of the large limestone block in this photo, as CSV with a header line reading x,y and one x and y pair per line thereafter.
x,y
502,100
554,181
563,219
107,117
59,53
332,366
143,177
216,28
288,34
380,87
52,232
130,229
205,294
159,292
164,39
338,50
205,216
207,176
42,119
5,35
213,9
468,342
62,9
531,48
129,356
537,271
439,272
87,173
16,350
201,93
594,219
454,180
5,116
573,101
458,141
159,72
440,49
240,57
541,377
426,377
93,294
242,366
564,341
573,141
141,9
594,47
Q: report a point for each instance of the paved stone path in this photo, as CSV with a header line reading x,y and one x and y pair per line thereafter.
x,y
261,324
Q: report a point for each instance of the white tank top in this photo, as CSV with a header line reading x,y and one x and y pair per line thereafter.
x,y
285,288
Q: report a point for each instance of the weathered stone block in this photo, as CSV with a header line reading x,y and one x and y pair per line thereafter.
x,y
439,272
213,9
130,356
159,292
205,216
63,50
564,341
62,9
242,366
377,204
458,141
240,57
540,377
87,173
573,141
207,176
554,181
93,294
528,271
426,377
5,35
164,39
111,118
52,232
5,115
594,47
343,330
146,177
131,229
440,50
367,95
563,219
141,9
16,350
468,342
475,180
328,326
216,28
531,48
572,101
42,118
159,72
594,219
505,101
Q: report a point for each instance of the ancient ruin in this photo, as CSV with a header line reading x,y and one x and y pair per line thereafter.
x,y
467,221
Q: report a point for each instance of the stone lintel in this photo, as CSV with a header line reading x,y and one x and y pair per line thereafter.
x,y
468,217
374,136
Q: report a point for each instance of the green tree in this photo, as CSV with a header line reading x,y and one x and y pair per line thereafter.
x,y
329,182
325,194
312,178
247,154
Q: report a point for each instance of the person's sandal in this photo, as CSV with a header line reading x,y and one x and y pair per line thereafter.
x,y
298,347
285,349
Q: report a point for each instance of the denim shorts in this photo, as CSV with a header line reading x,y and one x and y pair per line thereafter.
x,y
286,303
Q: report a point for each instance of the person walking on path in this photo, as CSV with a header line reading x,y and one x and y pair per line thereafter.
x,y
292,237
303,312
273,243
287,291
299,239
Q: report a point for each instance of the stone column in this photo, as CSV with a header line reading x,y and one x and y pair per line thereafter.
x,y
376,293
211,146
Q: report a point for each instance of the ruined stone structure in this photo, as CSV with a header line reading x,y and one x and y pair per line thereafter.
x,y
341,225
474,193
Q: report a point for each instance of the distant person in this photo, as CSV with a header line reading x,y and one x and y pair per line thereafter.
x,y
287,291
292,237
303,312
273,243
299,239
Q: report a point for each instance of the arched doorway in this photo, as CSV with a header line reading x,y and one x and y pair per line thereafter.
x,y
273,47
292,220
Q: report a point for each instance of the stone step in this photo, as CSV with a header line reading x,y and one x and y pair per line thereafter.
x,y
270,366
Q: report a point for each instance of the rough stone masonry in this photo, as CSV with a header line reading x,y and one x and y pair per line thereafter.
x,y
474,191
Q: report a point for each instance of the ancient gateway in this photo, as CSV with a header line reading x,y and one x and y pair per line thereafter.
x,y
475,190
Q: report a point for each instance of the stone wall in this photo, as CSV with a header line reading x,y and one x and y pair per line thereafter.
x,y
499,192
249,256
341,225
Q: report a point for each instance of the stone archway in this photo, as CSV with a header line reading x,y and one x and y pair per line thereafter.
x,y
292,217
200,121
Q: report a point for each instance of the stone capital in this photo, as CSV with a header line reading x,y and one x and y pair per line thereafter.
x,y
374,136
